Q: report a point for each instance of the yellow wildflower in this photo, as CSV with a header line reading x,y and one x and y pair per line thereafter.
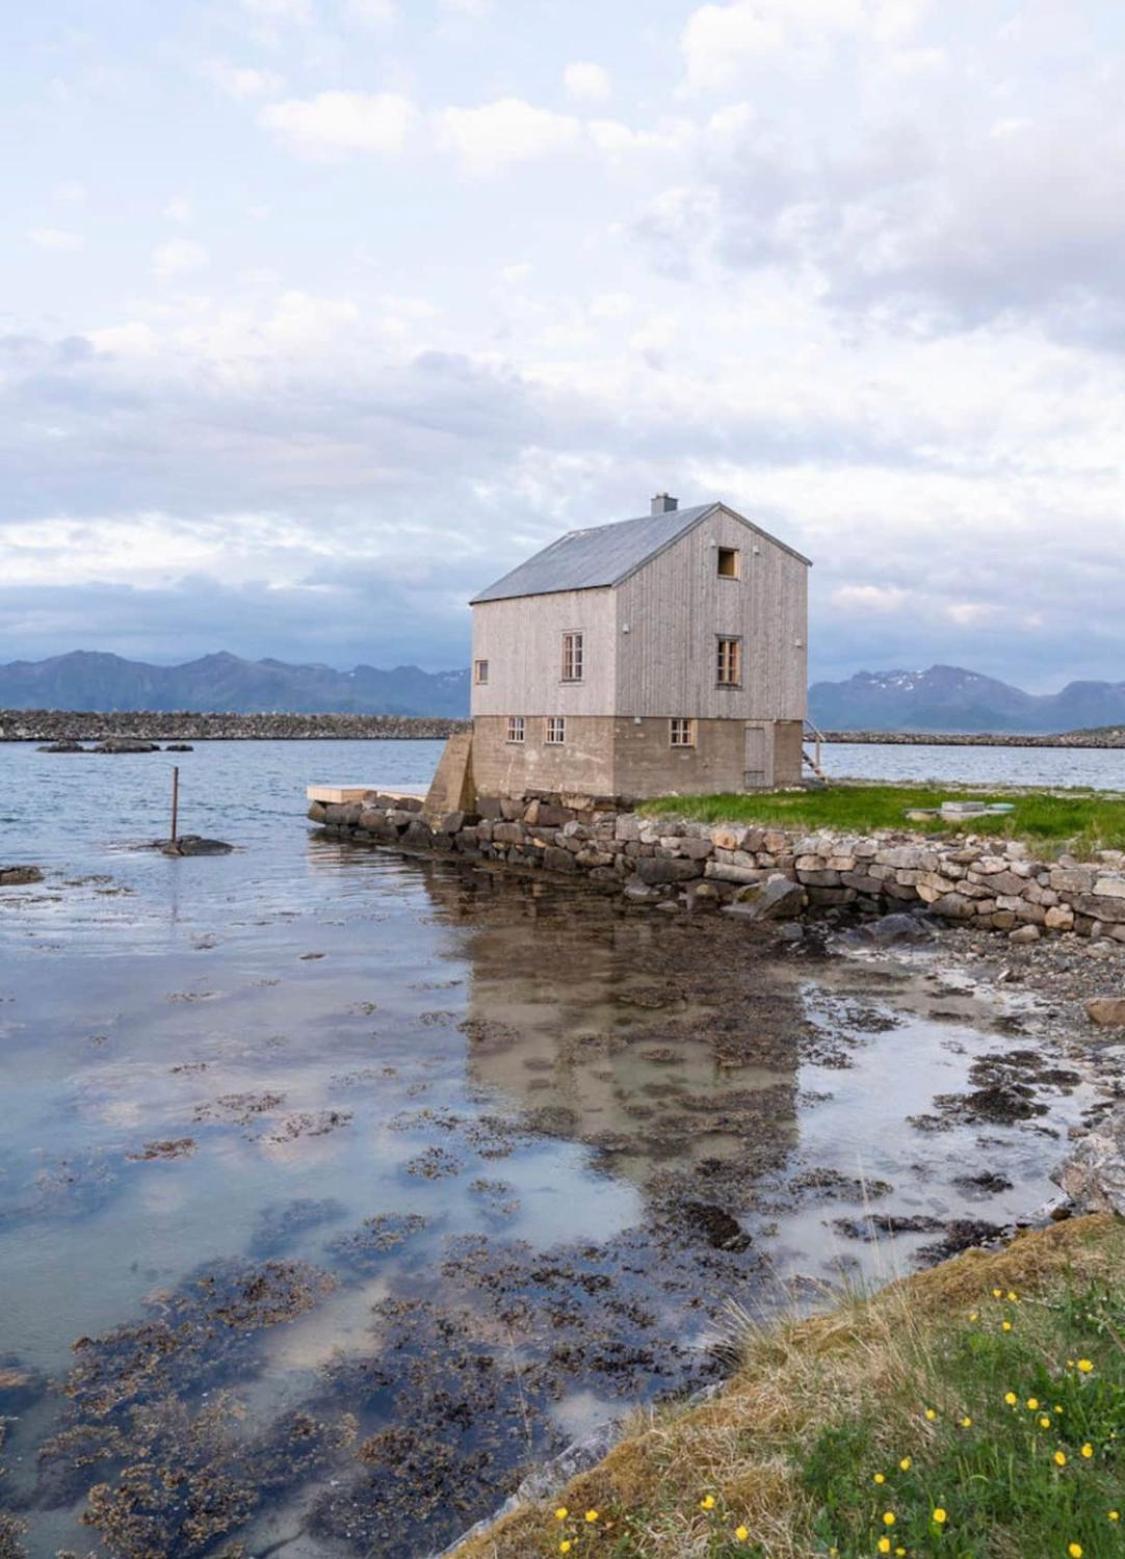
x,y
1085,1366
741,1533
707,1502
1113,1515
1087,1450
941,1516
564,1546
1074,1550
888,1518
562,1513
1044,1421
997,1293
1013,1297
974,1315
1005,1326
884,1545
966,1422
1060,1458
906,1464
1010,1398
1033,1403
591,1516
931,1414
880,1477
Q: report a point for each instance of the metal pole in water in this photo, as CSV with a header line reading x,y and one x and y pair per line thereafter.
x,y
175,799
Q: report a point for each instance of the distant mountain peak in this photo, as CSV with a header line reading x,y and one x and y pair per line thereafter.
x,y
951,698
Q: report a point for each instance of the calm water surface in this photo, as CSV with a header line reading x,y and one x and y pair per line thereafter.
x,y
365,1181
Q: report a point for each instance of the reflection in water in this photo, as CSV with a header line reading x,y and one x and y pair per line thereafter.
x,y
366,1180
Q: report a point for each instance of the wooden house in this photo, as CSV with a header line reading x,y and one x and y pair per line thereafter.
x,y
661,654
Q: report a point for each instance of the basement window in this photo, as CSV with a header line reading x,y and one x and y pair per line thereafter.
x,y
556,730
480,673
682,733
572,657
515,728
730,563
728,662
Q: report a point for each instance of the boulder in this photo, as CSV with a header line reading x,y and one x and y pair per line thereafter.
x,y
19,876
1093,1177
894,930
1106,1011
194,844
179,747
118,744
778,899
61,747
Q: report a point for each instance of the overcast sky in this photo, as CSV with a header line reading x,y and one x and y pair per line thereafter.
x,y
319,314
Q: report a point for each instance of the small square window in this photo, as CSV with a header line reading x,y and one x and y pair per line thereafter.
x,y
515,728
730,563
480,673
682,733
728,666
556,730
573,655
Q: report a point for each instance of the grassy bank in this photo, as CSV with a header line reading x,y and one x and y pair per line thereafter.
x,y
1083,821
974,1411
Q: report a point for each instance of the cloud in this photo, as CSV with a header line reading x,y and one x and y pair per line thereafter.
x,y
178,209
244,81
721,42
587,82
60,239
273,11
337,124
372,13
179,257
501,134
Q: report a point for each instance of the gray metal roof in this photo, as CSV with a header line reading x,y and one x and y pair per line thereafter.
x,y
604,555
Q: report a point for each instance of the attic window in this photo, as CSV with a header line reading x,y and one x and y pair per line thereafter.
x,y
480,673
730,563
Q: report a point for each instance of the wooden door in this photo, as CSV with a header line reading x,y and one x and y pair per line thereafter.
x,y
756,763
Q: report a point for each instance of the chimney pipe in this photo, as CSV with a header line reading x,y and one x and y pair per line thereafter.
x,y
664,504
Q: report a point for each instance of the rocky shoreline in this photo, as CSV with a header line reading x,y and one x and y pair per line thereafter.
x,y
761,873
68,725
1110,737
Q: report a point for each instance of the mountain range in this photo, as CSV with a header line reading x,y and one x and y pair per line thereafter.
x,y
948,698
226,684
944,698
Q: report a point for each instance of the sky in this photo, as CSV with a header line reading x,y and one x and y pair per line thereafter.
x,y
319,315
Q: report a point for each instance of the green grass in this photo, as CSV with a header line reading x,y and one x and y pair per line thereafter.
x,y
1082,821
1024,1453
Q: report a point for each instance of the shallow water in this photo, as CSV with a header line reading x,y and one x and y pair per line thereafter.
x,y
369,1180
1094,768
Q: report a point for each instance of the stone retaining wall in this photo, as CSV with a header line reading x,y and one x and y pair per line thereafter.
x,y
760,872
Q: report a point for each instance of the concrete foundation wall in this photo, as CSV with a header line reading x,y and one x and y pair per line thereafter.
x,y
583,764
648,765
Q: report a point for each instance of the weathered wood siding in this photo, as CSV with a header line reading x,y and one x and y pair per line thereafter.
x,y
522,641
676,605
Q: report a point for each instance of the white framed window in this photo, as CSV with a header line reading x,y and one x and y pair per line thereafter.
x,y
681,733
729,563
515,728
556,730
480,672
573,656
728,661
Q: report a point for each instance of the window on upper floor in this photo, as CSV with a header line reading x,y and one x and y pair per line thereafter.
x,y
480,672
729,563
728,661
556,730
515,728
573,656
681,733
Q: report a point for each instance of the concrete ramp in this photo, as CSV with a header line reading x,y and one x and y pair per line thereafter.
x,y
452,788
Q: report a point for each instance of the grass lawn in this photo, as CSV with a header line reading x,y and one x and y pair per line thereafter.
x,y
974,1411
1082,821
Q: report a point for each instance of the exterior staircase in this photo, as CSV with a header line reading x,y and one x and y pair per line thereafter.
x,y
810,752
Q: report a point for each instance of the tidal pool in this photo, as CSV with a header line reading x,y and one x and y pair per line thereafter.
x,y
337,1187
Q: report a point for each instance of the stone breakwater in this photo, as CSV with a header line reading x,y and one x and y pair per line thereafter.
x,y
757,872
1110,736
63,725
